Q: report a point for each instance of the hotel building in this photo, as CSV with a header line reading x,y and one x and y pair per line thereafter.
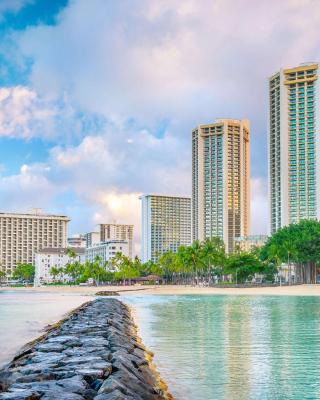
x,y
107,250
247,243
220,181
92,238
165,224
77,241
117,232
294,143
48,258
22,235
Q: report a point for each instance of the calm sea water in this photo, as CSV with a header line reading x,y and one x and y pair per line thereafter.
x,y
206,347
234,347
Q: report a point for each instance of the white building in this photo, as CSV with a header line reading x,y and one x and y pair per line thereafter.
x,y
294,145
92,238
22,235
117,232
221,181
77,241
247,243
165,224
107,250
48,258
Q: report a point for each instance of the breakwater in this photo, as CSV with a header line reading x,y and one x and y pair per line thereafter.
x,y
94,353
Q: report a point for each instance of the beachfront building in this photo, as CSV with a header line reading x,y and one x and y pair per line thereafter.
x,y
107,250
58,258
77,241
165,224
92,238
23,235
247,243
115,231
220,181
294,144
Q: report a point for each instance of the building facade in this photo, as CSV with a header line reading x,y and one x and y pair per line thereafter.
x,y
117,232
221,181
107,250
22,235
293,145
77,241
48,258
247,243
92,238
165,225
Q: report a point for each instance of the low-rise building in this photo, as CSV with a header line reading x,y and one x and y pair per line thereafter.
x,y
107,250
49,257
92,238
247,243
115,231
77,241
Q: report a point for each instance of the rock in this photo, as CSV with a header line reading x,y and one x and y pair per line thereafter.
x,y
107,293
115,395
94,354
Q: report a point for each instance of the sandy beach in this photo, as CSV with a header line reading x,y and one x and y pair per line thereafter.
x,y
300,290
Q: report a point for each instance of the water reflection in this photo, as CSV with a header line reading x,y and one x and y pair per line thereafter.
x,y
235,347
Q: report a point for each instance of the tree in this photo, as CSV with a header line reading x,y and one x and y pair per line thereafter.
x,y
24,271
243,266
3,275
54,272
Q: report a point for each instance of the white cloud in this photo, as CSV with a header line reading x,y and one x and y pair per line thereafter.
x,y
151,70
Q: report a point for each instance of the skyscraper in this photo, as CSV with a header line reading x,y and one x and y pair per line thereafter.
x,y
165,224
117,232
220,180
293,145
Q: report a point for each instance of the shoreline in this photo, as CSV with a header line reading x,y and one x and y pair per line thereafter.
x,y
94,352
294,290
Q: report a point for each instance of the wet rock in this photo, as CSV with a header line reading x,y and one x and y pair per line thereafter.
x,y
93,354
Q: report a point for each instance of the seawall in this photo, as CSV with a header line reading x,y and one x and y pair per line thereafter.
x,y
94,353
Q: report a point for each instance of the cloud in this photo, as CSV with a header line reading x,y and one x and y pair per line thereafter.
x,y
119,97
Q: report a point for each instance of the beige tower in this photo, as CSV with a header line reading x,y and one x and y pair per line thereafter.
x,y
117,232
221,180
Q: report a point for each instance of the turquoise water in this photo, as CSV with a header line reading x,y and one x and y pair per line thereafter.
x,y
234,347
206,347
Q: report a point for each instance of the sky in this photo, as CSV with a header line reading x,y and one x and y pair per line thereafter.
x,y
98,98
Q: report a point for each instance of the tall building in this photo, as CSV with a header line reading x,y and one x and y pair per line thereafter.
x,y
165,225
107,250
22,235
47,258
117,232
294,144
220,180
247,243
92,238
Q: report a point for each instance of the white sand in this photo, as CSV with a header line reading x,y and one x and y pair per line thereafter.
x,y
301,290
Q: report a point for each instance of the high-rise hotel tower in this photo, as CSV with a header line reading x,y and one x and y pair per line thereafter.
x,y
294,145
220,180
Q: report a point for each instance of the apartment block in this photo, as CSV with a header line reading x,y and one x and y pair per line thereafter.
x,y
221,180
107,250
48,258
117,232
23,235
165,224
293,145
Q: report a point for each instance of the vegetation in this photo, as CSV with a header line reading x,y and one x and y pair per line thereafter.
x,y
205,263
24,272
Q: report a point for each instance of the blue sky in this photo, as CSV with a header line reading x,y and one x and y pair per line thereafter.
x,y
98,98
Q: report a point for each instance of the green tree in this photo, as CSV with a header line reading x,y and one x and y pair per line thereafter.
x,y
54,272
3,275
24,271
243,266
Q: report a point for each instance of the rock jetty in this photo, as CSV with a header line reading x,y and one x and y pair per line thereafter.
x,y
94,353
